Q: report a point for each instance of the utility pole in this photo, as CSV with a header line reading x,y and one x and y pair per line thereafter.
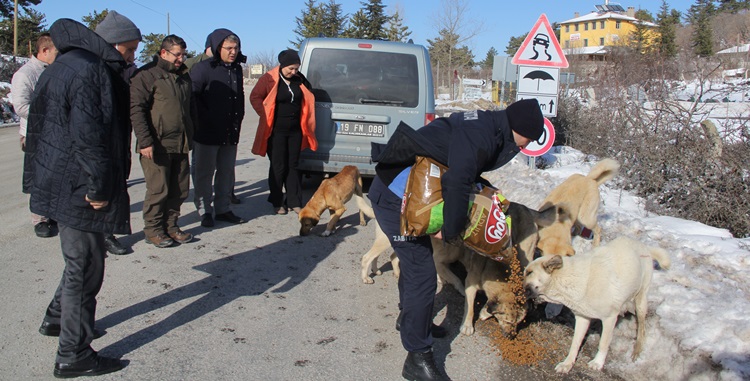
x,y
15,28
168,24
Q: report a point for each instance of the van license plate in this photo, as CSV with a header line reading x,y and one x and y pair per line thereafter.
x,y
360,129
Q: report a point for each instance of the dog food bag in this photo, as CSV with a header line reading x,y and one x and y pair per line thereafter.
x,y
488,230
422,204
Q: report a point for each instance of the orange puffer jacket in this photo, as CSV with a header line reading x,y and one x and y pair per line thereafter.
x,y
263,100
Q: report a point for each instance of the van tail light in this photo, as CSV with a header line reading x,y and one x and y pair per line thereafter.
x,y
428,118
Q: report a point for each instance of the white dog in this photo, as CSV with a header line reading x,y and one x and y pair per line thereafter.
x,y
597,285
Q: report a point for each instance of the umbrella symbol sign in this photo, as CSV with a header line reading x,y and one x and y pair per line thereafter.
x,y
539,75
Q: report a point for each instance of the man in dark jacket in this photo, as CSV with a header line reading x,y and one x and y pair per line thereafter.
x,y
78,140
469,143
219,95
160,93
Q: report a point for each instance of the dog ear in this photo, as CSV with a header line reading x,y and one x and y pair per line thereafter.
x,y
552,264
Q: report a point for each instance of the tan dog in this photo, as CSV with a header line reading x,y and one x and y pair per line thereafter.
x,y
597,285
485,274
370,259
579,196
331,195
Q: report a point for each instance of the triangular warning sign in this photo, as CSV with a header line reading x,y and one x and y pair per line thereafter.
x,y
541,48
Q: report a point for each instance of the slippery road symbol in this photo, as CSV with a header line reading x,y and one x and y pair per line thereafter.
x,y
542,40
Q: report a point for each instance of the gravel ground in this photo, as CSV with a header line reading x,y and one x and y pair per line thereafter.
x,y
248,302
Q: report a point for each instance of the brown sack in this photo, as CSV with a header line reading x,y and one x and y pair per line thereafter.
x,y
422,204
488,230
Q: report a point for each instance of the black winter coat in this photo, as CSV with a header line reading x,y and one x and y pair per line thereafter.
x,y
219,96
78,138
469,143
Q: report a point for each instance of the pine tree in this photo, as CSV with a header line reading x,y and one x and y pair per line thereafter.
x,y
667,30
396,30
7,6
310,23
489,60
357,25
700,15
733,6
639,38
151,46
374,10
30,26
334,21
514,44
93,19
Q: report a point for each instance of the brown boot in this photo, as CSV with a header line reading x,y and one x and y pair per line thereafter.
x,y
180,236
160,240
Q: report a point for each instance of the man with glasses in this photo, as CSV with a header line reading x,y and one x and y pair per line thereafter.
x,y
219,97
160,94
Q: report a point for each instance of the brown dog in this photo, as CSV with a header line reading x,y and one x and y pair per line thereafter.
x,y
331,195
579,197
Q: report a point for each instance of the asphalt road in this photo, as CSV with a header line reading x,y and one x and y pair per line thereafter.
x,y
247,302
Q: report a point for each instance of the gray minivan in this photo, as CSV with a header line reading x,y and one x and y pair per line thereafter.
x,y
363,89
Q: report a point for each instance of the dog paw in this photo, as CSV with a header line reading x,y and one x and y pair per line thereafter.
x,y
326,233
467,329
362,223
595,364
563,367
368,280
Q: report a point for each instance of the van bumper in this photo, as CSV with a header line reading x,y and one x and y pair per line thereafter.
x,y
325,162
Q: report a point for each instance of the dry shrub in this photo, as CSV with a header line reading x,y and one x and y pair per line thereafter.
x,y
676,164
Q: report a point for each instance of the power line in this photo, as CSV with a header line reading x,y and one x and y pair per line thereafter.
x,y
171,19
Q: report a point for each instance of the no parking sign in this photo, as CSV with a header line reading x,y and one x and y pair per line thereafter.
x,y
545,142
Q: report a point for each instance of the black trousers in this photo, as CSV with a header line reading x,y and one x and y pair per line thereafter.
x,y
74,303
283,152
418,281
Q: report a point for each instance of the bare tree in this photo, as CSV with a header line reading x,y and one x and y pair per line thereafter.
x,y
453,20
267,58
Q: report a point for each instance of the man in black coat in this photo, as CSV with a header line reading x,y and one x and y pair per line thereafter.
x,y
219,95
469,143
78,149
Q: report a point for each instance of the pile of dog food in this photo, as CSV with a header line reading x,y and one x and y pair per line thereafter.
x,y
533,345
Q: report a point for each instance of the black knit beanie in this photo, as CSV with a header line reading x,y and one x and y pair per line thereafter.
x,y
525,118
288,57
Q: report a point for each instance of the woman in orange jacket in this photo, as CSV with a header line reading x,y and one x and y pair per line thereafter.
x,y
286,106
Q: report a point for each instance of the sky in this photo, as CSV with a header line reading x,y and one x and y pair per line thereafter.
x,y
266,28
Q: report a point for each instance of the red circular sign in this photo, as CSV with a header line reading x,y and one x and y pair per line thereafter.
x,y
544,144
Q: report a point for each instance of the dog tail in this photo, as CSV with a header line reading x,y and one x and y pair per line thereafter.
x,y
661,256
604,171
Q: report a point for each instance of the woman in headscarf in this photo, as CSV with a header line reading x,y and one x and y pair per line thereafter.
x,y
286,106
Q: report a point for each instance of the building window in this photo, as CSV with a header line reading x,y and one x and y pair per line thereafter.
x,y
567,28
576,27
601,41
617,24
585,42
593,25
602,24
585,26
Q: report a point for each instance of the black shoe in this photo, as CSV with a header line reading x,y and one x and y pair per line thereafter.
x,y
94,365
114,246
234,200
436,330
53,330
230,217
421,367
43,229
207,221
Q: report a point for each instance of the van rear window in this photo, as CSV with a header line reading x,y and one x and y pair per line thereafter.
x,y
364,77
